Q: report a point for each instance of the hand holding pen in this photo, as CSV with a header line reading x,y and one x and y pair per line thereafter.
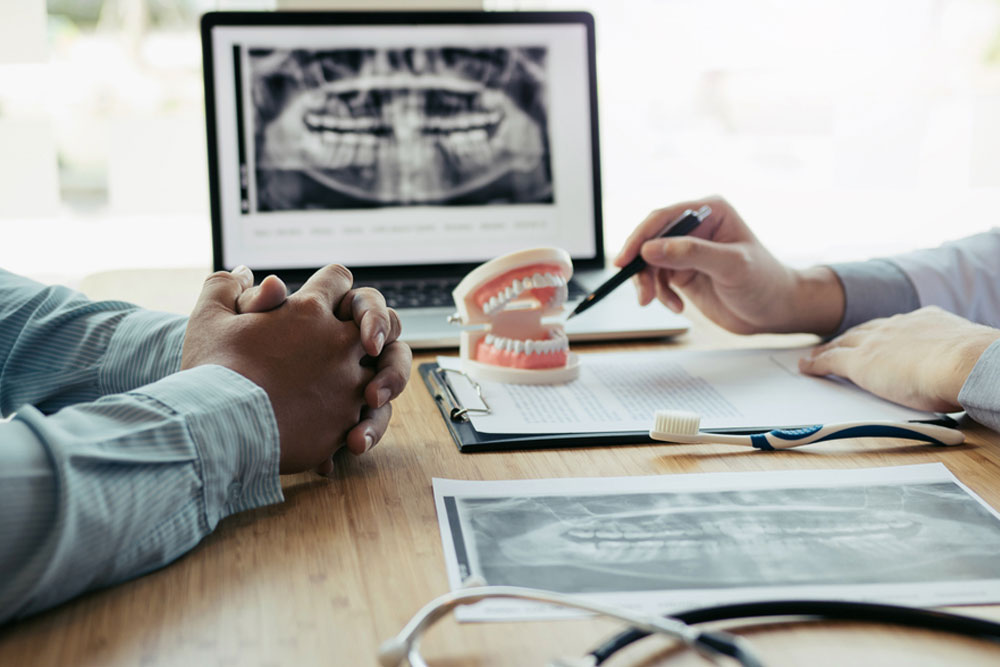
x,y
684,224
728,274
921,359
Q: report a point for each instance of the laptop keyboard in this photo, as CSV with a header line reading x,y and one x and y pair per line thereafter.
x,y
434,292
421,293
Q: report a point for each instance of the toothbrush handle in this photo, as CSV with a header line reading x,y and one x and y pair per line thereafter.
x,y
796,437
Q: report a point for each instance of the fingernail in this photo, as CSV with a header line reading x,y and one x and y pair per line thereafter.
x,y
383,395
379,342
369,440
243,274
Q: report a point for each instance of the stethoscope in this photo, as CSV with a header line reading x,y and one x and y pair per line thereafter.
x,y
710,643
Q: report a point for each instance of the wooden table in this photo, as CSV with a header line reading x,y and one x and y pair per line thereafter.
x,y
325,577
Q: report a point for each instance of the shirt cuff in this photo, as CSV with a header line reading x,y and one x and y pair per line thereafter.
x,y
872,289
145,347
232,424
979,395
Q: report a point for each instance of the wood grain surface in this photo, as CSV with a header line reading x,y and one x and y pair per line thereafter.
x,y
343,563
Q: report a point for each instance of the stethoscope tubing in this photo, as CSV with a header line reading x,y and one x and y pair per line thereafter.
x,y
843,610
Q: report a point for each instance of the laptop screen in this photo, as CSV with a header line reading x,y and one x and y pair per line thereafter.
x,y
396,139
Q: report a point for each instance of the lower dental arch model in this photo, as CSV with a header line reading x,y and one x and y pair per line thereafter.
x,y
506,300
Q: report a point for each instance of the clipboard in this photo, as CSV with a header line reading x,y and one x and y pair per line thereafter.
x,y
456,417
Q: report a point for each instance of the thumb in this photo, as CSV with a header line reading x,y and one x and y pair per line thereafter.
x,y
270,294
221,290
694,254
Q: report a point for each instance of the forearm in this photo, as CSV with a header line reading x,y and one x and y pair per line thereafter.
x,y
817,304
58,348
872,289
961,276
104,491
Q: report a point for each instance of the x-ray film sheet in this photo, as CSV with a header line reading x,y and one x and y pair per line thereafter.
x,y
906,535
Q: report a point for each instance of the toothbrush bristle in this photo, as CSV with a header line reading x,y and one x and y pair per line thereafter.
x,y
675,425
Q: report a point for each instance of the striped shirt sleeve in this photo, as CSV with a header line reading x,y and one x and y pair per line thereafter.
x,y
58,348
114,465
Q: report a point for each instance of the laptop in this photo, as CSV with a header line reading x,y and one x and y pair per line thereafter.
x,y
411,147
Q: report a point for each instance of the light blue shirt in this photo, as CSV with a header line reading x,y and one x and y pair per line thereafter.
x,y
962,277
116,462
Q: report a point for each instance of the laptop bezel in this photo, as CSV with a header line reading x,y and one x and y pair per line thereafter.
x,y
211,20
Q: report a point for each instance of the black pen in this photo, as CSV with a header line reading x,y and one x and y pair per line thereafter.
x,y
683,225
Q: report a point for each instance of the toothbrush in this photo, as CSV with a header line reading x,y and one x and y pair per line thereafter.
x,y
681,426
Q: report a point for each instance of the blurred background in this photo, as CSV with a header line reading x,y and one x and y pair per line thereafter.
x,y
840,130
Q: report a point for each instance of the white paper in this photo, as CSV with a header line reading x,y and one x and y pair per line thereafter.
x,y
659,544
621,391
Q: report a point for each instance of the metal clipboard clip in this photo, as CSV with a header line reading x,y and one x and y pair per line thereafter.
x,y
456,411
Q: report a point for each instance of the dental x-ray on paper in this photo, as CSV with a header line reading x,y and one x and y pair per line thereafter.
x,y
730,539
366,127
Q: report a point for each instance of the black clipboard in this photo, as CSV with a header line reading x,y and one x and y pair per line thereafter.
x,y
468,439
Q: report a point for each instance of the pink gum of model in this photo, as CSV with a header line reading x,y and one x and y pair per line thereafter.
x,y
503,303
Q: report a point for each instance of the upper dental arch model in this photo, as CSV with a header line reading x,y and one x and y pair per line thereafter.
x,y
502,304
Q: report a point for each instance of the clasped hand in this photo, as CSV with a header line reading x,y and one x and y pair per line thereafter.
x,y
328,357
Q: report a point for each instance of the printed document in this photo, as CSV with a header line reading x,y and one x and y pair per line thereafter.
x,y
730,389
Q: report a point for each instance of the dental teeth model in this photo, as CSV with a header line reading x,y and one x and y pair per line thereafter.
x,y
502,304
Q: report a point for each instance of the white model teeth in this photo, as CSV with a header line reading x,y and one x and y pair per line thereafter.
x,y
557,343
560,296
518,285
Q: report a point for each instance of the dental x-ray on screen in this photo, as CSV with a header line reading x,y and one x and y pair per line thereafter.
x,y
345,128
